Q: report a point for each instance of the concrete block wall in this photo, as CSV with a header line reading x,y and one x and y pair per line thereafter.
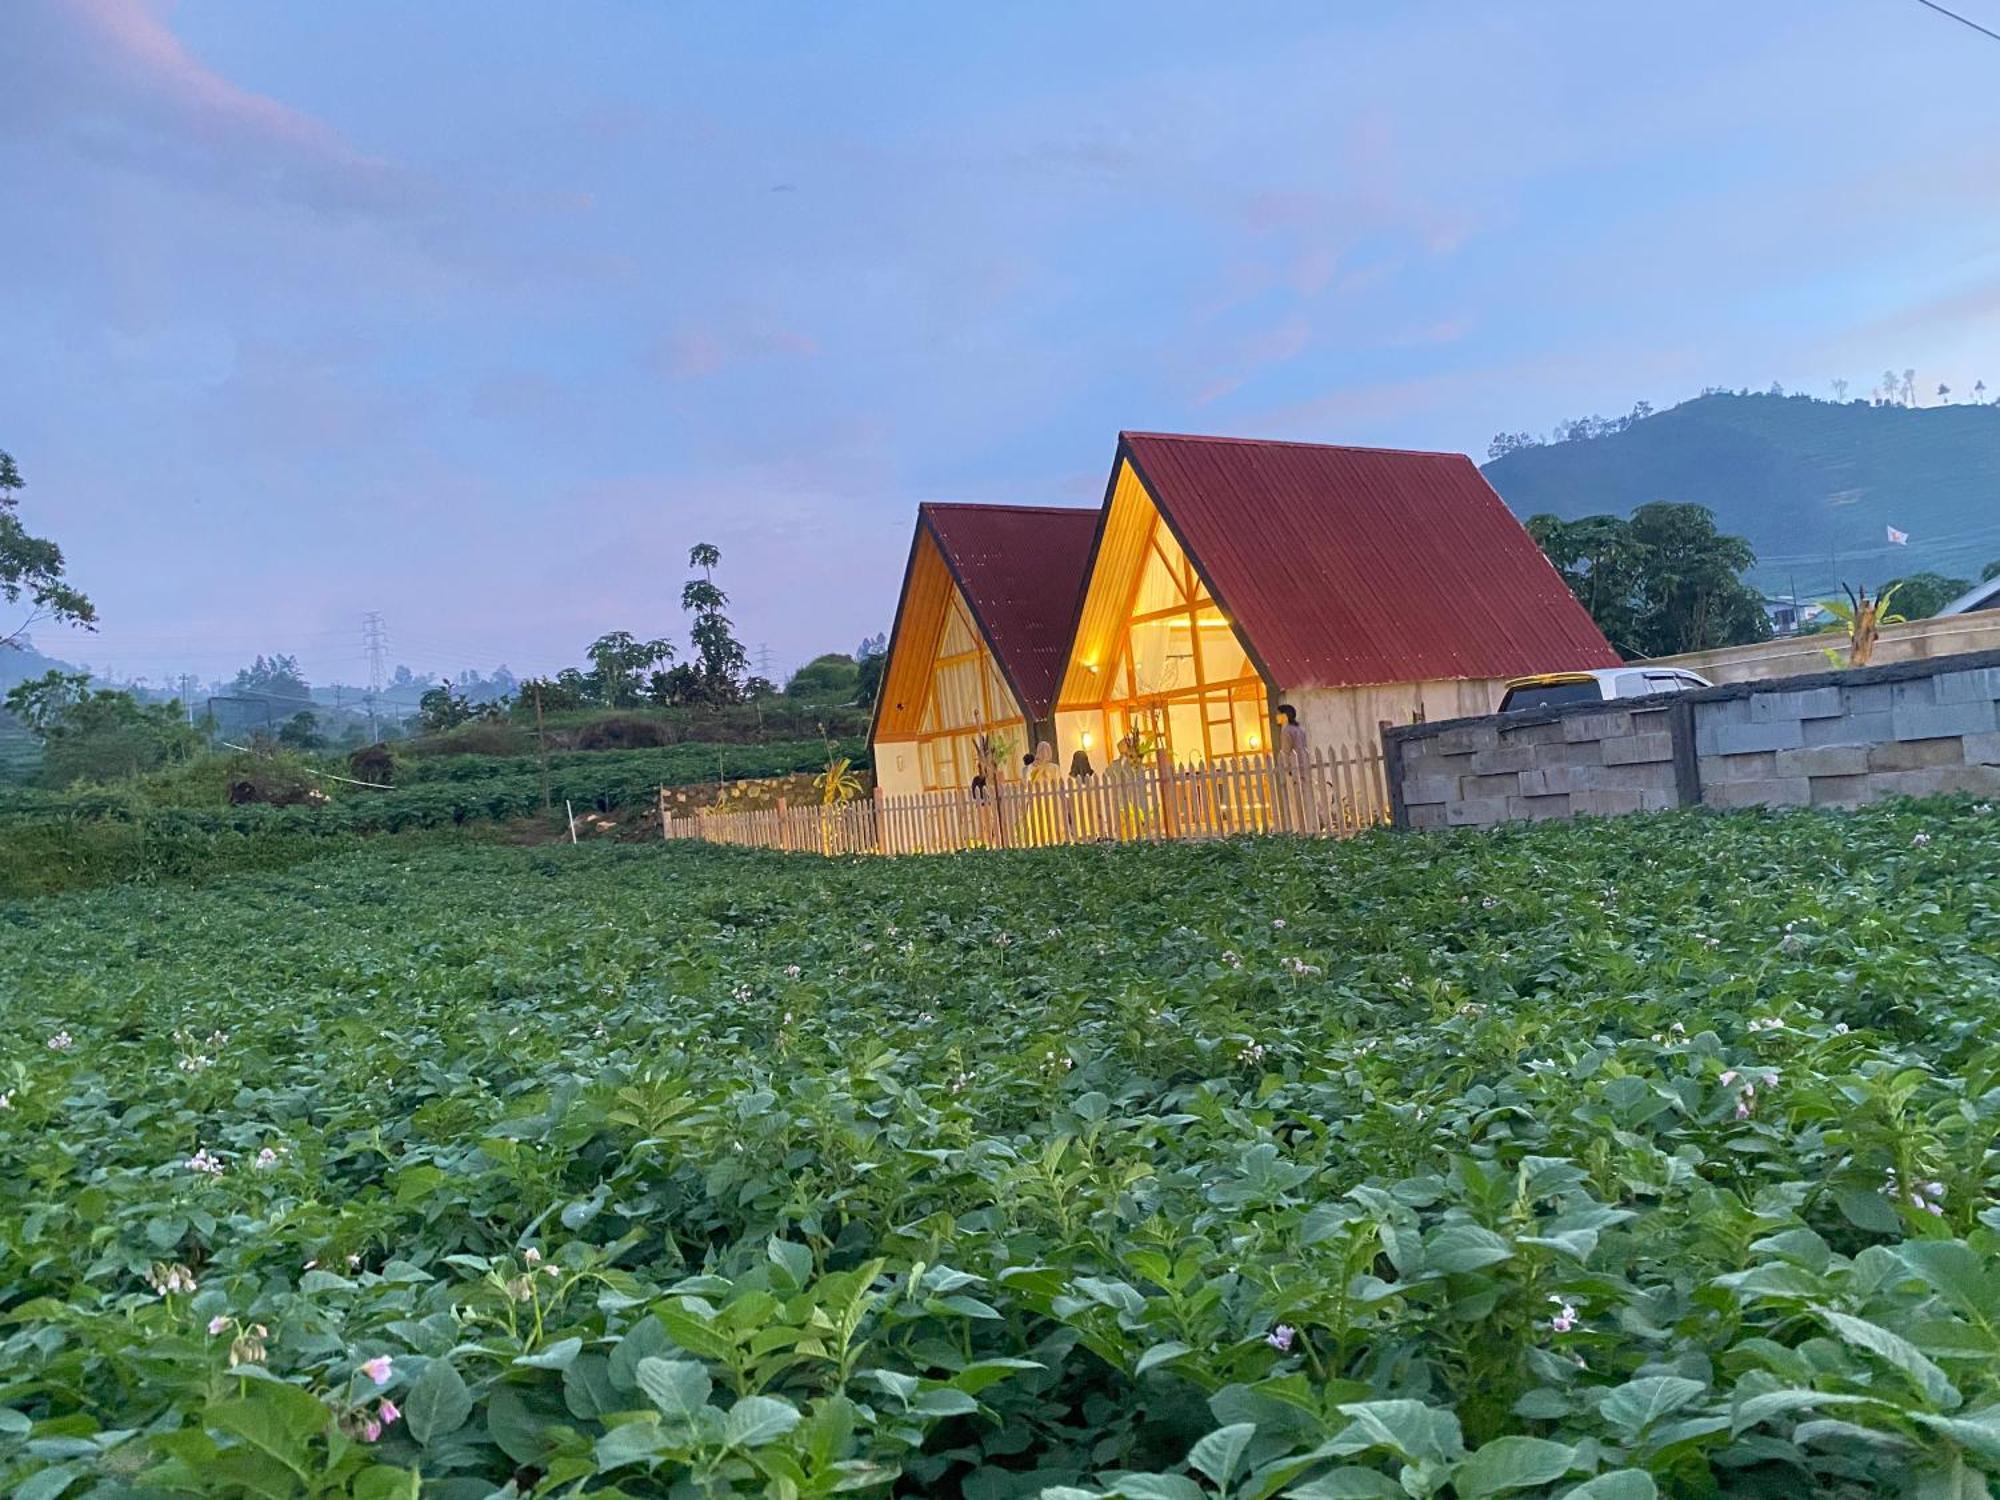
x,y
1509,767
1838,739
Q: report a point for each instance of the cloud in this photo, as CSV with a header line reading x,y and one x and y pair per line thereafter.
x,y
701,350
1261,351
111,81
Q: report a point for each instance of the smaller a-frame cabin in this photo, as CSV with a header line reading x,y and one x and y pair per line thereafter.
x,y
988,596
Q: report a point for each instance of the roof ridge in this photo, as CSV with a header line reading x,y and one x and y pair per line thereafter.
x,y
1250,442
1037,510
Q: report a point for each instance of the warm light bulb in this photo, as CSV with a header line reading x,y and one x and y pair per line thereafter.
x,y
1086,739
1255,742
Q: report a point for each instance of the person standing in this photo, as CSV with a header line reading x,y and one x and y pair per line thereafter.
x,y
1294,768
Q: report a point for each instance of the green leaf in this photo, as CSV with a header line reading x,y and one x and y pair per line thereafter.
x,y
1456,1248
558,1356
678,1387
1156,1487
756,1420
1349,1483
1616,1484
516,1431
14,1423
1219,1455
587,1388
1424,1434
49,1483
437,1403
977,1376
1977,1431
276,1419
694,1335
632,1443
1511,1463
1158,1355
380,1482
1637,1404
1761,1408
1896,1350
1956,1271
945,1401
795,1261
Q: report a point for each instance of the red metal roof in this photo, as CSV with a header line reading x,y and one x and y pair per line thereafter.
x,y
1021,568
1344,566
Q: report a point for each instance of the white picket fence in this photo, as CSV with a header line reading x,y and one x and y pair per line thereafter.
x,y
1331,794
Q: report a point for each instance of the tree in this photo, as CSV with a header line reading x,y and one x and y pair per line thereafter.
x,y
1663,582
1990,571
1944,394
1979,391
33,566
301,731
98,735
440,709
1922,595
1909,387
277,677
831,678
1839,390
720,659
618,662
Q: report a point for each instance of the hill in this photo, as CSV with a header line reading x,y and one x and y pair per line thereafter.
x,y
1813,484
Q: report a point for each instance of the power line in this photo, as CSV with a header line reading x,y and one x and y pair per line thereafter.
x,y
1962,20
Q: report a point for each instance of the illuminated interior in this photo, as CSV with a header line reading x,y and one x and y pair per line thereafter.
x,y
1177,672
967,697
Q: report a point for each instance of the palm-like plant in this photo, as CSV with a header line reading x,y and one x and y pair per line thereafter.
x,y
1864,619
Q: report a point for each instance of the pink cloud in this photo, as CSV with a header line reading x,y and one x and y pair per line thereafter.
x,y
114,81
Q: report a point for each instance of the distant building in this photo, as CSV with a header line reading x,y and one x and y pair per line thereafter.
x,y
988,595
1981,596
1795,616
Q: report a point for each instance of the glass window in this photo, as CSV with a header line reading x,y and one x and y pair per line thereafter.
x,y
1222,656
1551,694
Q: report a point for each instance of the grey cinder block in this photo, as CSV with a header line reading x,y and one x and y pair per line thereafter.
x,y
1982,749
1502,784
1968,687
1636,749
1538,809
1936,781
1736,739
1812,703
1466,741
1873,698
1851,729
1503,758
1756,766
1602,726
1772,791
1606,802
1430,815
1843,791
1822,760
1915,755
1476,812
1420,789
1943,720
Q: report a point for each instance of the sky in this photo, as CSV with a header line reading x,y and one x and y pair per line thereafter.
x,y
480,313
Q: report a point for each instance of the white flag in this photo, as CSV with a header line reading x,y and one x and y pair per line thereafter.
x,y
1898,538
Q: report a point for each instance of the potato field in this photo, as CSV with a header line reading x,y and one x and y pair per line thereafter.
x,y
1610,1160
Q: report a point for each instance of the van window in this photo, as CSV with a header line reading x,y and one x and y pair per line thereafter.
x,y
1665,682
1635,684
1550,695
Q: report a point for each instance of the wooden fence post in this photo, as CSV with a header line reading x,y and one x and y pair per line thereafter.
x,y
881,825
1169,820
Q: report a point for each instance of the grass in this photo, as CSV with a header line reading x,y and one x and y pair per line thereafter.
x,y
1649,1156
